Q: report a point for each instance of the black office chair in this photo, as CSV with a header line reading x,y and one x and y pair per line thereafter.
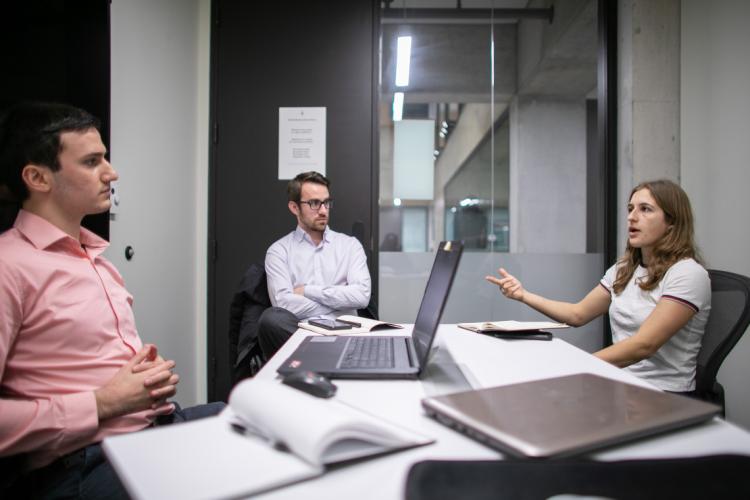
x,y
730,317
714,476
248,303
371,311
10,471
8,209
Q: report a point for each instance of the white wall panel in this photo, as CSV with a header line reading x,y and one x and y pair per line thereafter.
x,y
715,153
159,147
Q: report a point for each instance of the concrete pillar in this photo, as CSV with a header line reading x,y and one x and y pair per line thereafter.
x,y
547,175
649,95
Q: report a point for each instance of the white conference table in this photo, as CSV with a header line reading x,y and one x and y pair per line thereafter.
x,y
486,362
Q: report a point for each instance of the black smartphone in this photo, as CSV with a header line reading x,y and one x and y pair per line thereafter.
x,y
331,324
521,335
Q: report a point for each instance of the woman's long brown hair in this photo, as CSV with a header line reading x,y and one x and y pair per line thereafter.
x,y
677,244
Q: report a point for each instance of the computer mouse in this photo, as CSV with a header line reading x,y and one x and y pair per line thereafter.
x,y
311,383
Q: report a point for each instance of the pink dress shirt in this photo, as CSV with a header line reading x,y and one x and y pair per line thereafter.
x,y
66,327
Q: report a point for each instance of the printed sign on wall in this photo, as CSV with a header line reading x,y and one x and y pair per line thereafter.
x,y
302,141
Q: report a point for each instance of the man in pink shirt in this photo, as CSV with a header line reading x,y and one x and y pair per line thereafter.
x,y
73,369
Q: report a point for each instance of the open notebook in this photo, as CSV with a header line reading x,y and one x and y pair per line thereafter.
x,y
530,330
366,325
270,436
511,326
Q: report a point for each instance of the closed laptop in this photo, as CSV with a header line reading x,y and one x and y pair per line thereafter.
x,y
565,416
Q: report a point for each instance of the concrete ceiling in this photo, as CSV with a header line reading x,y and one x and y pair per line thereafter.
x,y
560,59
452,62
451,4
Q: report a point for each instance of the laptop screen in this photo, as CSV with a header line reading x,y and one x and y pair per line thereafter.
x,y
435,296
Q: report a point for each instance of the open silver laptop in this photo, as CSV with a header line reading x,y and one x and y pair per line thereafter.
x,y
564,416
375,357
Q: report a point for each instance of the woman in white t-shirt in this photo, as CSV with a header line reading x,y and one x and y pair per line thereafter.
x,y
658,294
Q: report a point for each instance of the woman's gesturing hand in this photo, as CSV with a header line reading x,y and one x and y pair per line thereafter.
x,y
508,284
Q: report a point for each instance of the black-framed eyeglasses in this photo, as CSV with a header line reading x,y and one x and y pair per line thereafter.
x,y
316,204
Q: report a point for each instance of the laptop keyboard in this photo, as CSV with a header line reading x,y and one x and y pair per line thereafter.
x,y
368,352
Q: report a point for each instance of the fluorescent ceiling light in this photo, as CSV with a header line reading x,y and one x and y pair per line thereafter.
x,y
398,106
492,66
403,55
469,202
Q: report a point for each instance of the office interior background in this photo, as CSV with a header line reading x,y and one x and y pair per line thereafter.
x,y
508,116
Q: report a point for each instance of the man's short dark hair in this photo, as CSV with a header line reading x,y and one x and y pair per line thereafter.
x,y
30,134
294,188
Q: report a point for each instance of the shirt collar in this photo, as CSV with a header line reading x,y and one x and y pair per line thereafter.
x,y
300,235
43,234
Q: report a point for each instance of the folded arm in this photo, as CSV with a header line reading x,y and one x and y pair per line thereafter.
x,y
281,289
667,318
355,294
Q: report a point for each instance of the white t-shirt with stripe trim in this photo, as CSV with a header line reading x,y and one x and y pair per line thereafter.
x,y
672,367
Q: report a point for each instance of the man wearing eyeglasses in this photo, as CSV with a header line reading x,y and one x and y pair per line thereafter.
x,y
313,272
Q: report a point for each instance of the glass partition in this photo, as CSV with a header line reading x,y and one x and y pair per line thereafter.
x,y
488,134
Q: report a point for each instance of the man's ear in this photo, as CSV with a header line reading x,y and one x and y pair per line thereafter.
x,y
294,208
37,178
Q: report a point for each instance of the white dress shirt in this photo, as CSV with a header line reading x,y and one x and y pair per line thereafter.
x,y
334,274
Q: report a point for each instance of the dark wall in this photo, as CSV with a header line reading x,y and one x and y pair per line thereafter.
x,y
285,54
57,50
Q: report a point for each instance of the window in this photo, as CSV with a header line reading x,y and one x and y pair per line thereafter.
x,y
493,141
